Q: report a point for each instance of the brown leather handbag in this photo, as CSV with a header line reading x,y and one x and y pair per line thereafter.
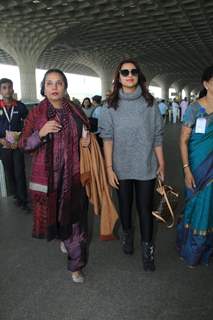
x,y
168,202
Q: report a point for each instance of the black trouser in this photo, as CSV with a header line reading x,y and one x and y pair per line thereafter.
x,y
144,191
14,168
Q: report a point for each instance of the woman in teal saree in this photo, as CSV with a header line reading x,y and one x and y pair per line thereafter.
x,y
195,230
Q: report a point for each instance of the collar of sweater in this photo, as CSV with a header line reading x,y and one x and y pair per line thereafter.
x,y
130,96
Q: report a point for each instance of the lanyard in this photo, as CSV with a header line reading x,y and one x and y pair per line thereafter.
x,y
7,116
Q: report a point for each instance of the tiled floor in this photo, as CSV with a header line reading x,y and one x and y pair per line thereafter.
x,y
34,283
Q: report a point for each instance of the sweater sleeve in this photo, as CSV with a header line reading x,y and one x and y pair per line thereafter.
x,y
159,127
106,124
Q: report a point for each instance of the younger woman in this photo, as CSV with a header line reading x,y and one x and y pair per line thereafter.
x,y
131,127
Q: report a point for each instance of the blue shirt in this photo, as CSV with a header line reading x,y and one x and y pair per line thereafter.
x,y
97,114
19,114
163,108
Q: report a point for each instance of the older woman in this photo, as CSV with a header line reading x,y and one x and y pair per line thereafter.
x,y
131,127
51,133
195,231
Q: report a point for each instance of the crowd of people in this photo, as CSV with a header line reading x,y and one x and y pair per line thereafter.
x,y
128,129
173,111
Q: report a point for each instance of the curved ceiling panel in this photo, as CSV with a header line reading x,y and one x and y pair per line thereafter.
x,y
172,37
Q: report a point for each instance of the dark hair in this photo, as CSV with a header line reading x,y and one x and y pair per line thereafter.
x,y
97,99
82,105
53,71
5,80
207,75
202,93
114,97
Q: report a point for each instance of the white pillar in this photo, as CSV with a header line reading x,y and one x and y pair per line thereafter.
x,y
28,81
188,93
165,91
106,82
3,187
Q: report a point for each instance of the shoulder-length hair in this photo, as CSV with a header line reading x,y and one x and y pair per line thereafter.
x,y
114,97
90,104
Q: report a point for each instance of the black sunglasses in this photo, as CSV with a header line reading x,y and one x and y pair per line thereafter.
x,y
126,72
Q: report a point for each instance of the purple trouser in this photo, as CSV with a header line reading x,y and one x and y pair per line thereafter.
x,y
77,246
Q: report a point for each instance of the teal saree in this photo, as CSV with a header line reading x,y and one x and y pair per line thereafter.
x,y
195,230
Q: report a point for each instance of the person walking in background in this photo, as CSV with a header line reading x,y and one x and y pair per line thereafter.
x,y
96,101
175,110
87,107
195,230
12,114
131,127
52,133
163,109
183,107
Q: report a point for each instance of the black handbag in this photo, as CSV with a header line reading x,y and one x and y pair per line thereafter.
x,y
167,204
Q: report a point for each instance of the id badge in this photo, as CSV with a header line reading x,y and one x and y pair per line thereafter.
x,y
12,136
200,126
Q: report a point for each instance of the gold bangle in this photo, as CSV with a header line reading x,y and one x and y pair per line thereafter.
x,y
185,165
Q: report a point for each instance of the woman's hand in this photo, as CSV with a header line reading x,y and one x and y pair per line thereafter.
x,y
189,179
161,172
112,178
85,142
51,126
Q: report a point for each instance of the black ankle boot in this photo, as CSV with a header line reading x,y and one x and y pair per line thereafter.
x,y
148,256
127,242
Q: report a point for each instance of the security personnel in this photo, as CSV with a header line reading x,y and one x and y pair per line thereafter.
x,y
12,113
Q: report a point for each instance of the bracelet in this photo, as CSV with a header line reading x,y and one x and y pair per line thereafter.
x,y
185,165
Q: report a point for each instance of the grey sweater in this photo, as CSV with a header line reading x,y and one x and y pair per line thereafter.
x,y
135,130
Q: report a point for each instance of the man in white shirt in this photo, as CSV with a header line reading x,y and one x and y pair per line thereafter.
x,y
175,110
183,106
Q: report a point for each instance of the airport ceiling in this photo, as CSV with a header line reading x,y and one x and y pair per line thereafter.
x,y
172,39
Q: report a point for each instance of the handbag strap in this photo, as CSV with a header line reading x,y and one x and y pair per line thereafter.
x,y
162,191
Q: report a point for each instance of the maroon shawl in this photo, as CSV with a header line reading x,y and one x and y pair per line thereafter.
x,y
48,221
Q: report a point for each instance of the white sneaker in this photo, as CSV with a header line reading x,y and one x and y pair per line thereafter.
x,y
62,247
77,277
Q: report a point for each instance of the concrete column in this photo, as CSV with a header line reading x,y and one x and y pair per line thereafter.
x,y
188,92
28,81
180,94
164,91
106,82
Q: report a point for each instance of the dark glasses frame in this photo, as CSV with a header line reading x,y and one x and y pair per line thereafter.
x,y
125,72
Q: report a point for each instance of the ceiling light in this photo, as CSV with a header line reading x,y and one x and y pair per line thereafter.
x,y
49,8
36,1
